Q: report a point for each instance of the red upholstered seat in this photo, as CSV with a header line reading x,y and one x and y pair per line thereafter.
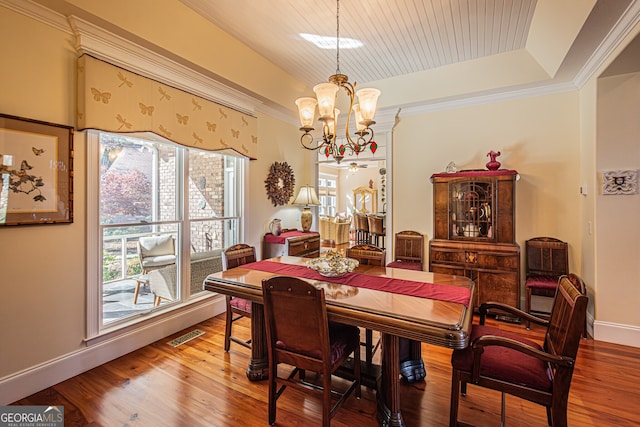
x,y
505,364
241,304
407,265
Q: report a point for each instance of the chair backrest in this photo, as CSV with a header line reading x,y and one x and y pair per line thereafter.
x,y
237,255
367,254
409,246
362,223
567,320
546,256
375,224
288,298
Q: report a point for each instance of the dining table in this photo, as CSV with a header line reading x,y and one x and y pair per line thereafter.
x,y
409,305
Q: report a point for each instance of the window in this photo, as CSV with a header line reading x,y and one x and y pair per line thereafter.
x,y
327,188
161,213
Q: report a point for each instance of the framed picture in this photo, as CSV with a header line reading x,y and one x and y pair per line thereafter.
x,y
36,172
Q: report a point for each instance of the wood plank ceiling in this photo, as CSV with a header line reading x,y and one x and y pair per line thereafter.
x,y
399,36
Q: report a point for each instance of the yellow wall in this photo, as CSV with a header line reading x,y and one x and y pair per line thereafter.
x,y
43,287
538,137
42,268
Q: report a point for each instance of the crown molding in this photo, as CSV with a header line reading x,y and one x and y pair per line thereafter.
x,y
623,27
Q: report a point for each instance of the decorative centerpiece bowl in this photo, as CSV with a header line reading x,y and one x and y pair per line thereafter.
x,y
332,264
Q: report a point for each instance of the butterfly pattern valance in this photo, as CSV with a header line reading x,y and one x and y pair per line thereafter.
x,y
115,100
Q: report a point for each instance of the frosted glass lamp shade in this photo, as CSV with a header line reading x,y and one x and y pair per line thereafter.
x,y
307,111
326,94
368,99
358,116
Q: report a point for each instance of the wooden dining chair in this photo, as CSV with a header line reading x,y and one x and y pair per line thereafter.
x,y
376,230
310,342
408,251
237,308
510,363
547,258
582,288
362,229
368,255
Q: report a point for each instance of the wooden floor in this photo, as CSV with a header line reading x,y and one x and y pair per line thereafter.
x,y
198,384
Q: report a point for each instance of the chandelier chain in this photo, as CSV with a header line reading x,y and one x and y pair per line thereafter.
x,y
338,37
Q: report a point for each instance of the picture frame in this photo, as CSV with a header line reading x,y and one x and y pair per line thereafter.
x,y
36,172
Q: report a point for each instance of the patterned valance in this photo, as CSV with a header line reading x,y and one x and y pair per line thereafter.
x,y
116,100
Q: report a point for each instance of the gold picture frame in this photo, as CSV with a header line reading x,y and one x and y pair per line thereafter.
x,y
36,172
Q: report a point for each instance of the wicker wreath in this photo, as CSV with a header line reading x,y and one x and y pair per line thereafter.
x,y
280,183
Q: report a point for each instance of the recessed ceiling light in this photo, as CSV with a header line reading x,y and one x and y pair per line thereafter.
x,y
325,42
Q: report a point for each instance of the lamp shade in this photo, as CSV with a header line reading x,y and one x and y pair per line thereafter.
x,y
307,197
368,99
326,94
307,111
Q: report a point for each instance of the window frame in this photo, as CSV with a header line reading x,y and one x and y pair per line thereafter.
x,y
95,327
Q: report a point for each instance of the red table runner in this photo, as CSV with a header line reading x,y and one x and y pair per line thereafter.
x,y
270,238
435,291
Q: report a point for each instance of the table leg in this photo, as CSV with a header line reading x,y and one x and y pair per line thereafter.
x,y
388,394
259,365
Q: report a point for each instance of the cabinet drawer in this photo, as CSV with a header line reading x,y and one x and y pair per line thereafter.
x,y
496,260
448,257
304,247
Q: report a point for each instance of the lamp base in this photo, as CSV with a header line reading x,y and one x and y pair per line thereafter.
x,y
306,219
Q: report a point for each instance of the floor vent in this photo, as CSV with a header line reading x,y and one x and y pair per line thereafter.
x,y
186,337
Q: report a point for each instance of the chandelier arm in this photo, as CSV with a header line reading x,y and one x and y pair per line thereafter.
x,y
309,139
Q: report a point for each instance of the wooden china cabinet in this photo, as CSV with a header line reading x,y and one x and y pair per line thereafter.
x,y
474,232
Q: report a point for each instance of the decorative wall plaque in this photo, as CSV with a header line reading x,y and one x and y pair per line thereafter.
x,y
620,182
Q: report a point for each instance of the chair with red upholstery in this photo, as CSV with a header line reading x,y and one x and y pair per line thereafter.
x,y
513,364
310,342
408,251
237,308
547,260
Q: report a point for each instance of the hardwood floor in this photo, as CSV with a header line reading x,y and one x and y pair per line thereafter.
x,y
198,384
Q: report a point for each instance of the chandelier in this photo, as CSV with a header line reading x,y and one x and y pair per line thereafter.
x,y
325,100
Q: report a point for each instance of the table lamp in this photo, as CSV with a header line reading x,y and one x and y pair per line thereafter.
x,y
306,197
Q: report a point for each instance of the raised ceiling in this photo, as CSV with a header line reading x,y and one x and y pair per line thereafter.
x,y
422,52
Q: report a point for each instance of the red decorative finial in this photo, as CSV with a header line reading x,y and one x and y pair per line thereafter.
x,y
493,165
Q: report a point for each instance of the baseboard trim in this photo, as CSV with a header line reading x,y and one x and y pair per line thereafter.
x,y
616,333
36,378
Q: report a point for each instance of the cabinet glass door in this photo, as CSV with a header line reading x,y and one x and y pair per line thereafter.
x,y
471,210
